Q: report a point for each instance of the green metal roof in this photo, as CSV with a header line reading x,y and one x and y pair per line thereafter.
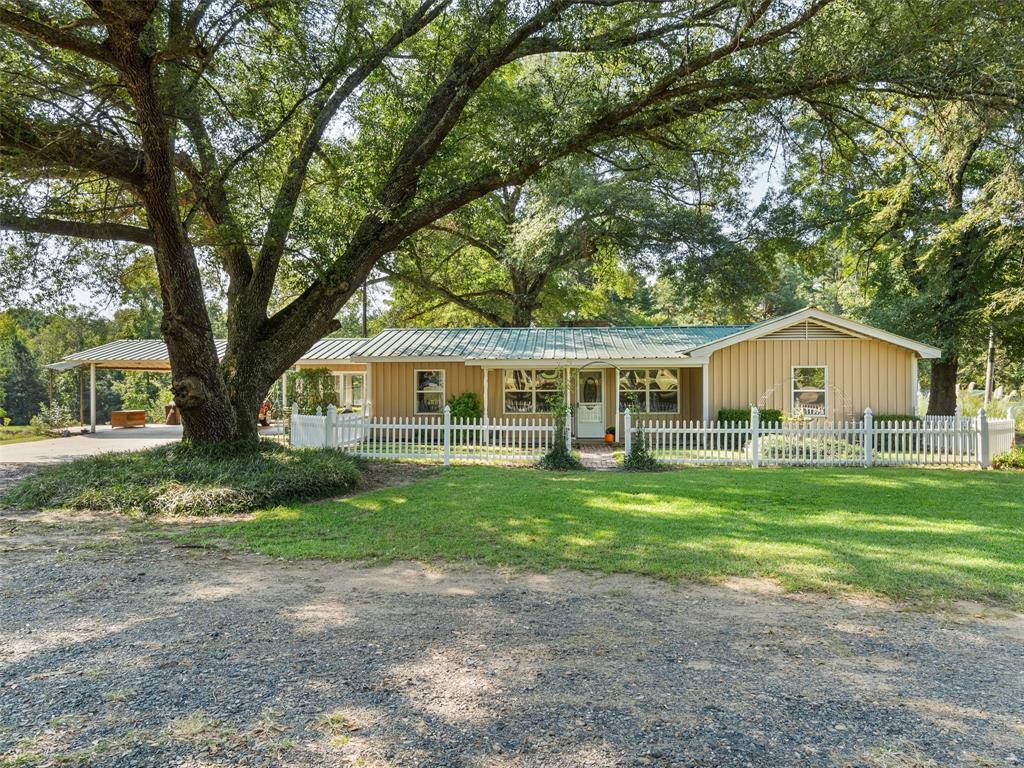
x,y
627,343
123,353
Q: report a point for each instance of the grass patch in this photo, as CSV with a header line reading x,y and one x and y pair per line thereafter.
x,y
10,435
904,533
183,479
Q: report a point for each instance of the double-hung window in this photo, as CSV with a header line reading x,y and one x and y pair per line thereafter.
x,y
350,390
429,392
809,391
649,390
529,390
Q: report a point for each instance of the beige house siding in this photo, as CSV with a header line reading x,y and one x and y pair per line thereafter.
x,y
861,373
391,384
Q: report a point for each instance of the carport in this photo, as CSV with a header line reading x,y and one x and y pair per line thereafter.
x,y
151,355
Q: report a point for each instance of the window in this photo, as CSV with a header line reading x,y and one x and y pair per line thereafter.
x,y
649,390
528,390
350,390
429,391
809,383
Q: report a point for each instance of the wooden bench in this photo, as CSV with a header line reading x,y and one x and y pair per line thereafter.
x,y
127,419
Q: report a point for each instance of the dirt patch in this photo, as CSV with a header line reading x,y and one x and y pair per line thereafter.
x,y
12,473
118,647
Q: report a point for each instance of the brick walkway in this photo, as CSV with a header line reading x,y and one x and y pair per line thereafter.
x,y
597,456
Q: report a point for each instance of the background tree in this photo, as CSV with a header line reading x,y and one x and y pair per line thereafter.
x,y
320,137
21,387
913,222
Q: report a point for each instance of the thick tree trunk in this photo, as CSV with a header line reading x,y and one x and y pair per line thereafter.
x,y
522,314
942,396
198,382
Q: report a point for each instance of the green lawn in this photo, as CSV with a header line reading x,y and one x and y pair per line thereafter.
x,y
910,534
10,435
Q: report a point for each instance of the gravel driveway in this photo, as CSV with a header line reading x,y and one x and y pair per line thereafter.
x,y
118,648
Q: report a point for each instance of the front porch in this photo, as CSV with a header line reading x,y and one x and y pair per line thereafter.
x,y
599,393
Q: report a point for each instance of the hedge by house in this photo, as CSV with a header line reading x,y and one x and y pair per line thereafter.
x,y
742,415
466,406
878,418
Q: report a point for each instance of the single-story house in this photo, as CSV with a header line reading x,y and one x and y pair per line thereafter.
x,y
808,362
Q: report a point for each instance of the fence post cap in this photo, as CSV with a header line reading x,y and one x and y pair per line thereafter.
x,y
867,411
981,413
626,412
447,409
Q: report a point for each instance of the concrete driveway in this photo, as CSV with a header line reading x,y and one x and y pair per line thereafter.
x,y
104,440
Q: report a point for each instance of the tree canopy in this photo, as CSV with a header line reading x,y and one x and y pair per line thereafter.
x,y
294,143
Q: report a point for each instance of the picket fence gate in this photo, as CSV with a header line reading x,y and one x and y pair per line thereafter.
x,y
941,441
427,438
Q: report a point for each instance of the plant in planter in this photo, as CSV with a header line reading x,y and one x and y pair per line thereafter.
x,y
609,435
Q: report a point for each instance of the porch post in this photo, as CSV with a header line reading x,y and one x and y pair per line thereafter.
x,y
568,401
92,397
487,432
368,394
705,400
487,375
615,396
914,386
284,393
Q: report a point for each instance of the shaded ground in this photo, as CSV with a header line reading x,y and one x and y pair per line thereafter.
x,y
118,648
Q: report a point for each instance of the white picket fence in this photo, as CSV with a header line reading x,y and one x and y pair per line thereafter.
x,y
952,441
427,438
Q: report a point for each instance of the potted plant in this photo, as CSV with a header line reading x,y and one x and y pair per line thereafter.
x,y
609,435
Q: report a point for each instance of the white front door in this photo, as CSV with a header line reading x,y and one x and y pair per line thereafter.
x,y
590,404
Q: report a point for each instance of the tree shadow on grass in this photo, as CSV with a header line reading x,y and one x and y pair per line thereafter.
x,y
904,534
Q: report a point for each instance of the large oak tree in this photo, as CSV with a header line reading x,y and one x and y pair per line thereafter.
x,y
295,142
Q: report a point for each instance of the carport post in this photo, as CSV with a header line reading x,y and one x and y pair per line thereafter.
x,y
92,397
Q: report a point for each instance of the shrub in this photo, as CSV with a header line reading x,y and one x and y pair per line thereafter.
x,y
312,388
878,418
639,459
1012,460
780,446
52,418
466,406
767,415
185,479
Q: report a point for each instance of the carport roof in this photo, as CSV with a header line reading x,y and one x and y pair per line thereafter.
x,y
152,353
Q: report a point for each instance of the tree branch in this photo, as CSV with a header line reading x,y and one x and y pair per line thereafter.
x,y
59,38
66,146
80,229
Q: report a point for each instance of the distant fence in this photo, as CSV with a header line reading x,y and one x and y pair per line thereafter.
x,y
932,441
428,438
